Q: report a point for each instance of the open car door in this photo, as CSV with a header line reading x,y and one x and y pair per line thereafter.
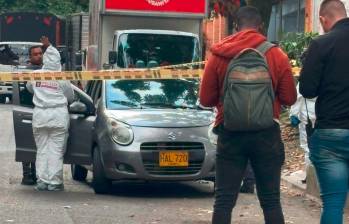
x,y
80,141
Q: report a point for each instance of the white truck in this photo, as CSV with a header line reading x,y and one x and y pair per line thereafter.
x,y
144,33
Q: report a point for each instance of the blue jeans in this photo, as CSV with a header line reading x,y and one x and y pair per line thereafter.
x,y
329,152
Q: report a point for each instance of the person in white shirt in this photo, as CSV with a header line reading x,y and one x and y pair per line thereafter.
x,y
299,113
50,122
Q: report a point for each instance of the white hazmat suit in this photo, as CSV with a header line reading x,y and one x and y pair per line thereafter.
x,y
51,120
299,109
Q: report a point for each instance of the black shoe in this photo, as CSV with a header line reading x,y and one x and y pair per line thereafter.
x,y
28,180
247,189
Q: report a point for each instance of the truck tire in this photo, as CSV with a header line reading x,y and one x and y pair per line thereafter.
x,y
78,172
2,99
100,183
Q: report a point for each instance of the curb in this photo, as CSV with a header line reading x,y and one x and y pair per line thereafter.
x,y
285,180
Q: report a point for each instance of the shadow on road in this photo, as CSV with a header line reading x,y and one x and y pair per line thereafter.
x,y
198,189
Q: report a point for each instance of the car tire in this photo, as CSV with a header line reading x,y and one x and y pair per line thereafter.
x,y
100,183
78,172
2,99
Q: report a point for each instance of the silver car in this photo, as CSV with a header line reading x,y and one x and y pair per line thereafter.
x,y
131,130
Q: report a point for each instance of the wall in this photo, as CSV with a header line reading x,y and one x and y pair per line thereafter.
x,y
315,7
284,18
214,31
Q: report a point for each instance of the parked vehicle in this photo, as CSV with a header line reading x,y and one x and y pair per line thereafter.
x,y
123,33
130,130
151,130
30,26
14,57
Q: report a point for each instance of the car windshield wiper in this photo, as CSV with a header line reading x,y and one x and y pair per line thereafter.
x,y
167,105
125,103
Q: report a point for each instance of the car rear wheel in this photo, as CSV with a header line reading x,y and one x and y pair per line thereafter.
x,y
78,172
101,184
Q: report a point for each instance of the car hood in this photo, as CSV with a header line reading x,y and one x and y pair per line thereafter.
x,y
163,118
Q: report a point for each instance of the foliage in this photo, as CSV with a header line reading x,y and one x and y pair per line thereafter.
x,y
294,44
57,7
229,8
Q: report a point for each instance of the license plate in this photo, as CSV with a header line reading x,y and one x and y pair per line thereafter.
x,y
173,158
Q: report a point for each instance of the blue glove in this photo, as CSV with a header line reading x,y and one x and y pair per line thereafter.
x,y
294,121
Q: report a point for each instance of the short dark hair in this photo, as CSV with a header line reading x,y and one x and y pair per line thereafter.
x,y
31,48
332,8
248,16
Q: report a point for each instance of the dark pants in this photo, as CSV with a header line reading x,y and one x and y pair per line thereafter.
x,y
265,150
249,178
29,169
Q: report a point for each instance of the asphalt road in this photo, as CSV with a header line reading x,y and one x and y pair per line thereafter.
x,y
129,203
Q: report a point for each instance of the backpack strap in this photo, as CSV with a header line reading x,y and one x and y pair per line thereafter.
x,y
264,47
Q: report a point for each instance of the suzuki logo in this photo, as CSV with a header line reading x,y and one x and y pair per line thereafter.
x,y
171,136
158,2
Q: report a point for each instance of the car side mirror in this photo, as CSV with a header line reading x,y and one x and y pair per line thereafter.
x,y
84,99
113,57
78,108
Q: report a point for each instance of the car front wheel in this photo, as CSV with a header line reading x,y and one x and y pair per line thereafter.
x,y
101,184
78,172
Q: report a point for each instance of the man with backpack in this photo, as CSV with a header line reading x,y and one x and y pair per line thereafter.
x,y
248,79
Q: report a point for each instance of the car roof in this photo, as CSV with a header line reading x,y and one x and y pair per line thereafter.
x,y
21,43
159,32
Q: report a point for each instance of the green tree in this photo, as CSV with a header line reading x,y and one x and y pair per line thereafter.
x,y
228,8
57,7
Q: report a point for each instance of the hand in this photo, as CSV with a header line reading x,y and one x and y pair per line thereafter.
x,y
294,121
45,42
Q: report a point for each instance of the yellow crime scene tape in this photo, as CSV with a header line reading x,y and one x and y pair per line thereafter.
x,y
182,71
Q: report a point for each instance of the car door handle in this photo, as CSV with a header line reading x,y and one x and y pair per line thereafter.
x,y
26,121
27,117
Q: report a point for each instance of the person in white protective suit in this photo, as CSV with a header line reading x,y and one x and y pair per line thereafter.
x,y
299,116
50,122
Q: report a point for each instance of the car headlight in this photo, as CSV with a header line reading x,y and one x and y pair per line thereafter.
x,y
121,133
212,136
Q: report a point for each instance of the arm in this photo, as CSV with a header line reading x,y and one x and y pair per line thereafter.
x,y
295,108
209,89
68,91
286,89
311,72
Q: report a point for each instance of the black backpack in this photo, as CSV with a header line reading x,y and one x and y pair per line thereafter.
x,y
248,91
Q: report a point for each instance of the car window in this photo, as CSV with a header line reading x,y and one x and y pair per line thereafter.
x,y
125,94
25,97
88,87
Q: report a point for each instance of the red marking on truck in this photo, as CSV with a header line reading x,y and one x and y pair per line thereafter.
x,y
173,6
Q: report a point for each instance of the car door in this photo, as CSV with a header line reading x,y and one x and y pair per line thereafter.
x,y
22,121
80,140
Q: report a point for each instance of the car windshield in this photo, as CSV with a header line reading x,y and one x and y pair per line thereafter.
x,y
143,94
14,54
152,50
